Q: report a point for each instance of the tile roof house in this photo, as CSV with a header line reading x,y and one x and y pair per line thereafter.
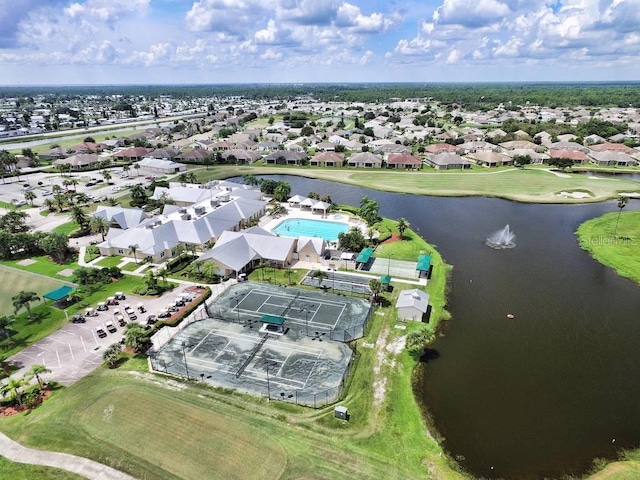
x,y
132,154
327,159
448,161
616,159
241,156
79,160
612,147
365,160
488,158
576,155
285,157
403,160
194,155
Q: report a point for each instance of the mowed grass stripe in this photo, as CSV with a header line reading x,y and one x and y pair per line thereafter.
x,y
132,420
14,281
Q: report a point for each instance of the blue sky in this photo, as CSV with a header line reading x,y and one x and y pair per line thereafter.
x,y
263,41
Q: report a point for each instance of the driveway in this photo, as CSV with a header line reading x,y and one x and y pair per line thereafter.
x,y
76,350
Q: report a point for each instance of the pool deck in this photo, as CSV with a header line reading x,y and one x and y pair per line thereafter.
x,y
269,223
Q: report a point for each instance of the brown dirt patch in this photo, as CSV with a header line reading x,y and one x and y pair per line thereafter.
x,y
394,238
10,410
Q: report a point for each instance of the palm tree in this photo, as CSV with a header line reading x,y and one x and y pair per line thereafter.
x,y
111,354
49,205
126,170
23,299
136,337
13,388
137,167
36,371
417,340
80,217
622,202
30,196
106,175
60,202
134,249
319,275
99,225
5,325
402,225
376,287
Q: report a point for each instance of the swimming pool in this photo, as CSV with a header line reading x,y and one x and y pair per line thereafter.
x,y
302,227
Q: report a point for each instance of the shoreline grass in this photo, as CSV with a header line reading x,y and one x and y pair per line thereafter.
x,y
620,252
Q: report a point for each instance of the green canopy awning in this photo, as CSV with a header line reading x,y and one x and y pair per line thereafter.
x,y
386,279
58,293
364,255
424,263
272,319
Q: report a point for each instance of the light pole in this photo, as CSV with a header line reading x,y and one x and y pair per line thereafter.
x,y
267,363
184,355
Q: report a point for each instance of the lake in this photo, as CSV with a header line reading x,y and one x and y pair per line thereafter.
x,y
546,392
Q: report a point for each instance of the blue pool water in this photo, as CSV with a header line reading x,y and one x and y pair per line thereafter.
x,y
300,227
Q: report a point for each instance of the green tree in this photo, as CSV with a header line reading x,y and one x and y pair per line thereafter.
x,y
106,175
30,196
137,167
111,354
250,179
136,337
417,340
622,202
376,287
319,275
402,225
23,299
522,160
14,222
80,217
282,192
369,209
151,281
13,388
352,240
55,245
5,325
36,372
99,225
126,170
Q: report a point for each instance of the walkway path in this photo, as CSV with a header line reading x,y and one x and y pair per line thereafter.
x,y
71,463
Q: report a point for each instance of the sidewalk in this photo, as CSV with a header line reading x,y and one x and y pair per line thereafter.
x,y
81,466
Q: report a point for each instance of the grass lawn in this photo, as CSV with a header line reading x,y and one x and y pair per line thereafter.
x,y
20,471
44,266
130,267
622,252
527,185
109,261
66,228
277,276
15,281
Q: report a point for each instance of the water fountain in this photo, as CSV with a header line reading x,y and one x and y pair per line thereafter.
x,y
502,239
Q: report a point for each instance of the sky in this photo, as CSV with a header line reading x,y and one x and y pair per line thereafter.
x,y
48,42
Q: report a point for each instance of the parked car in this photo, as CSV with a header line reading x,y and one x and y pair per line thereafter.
x,y
111,327
121,321
90,183
101,333
21,203
151,320
46,193
77,318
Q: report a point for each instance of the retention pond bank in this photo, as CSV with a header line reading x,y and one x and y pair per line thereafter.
x,y
546,392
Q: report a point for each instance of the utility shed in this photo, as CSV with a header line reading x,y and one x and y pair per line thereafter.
x,y
412,304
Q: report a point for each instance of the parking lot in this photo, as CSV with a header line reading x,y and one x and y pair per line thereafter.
x,y
76,349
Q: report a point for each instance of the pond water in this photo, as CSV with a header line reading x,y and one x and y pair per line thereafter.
x,y
542,394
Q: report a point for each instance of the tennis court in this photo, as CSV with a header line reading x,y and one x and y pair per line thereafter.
x,y
305,360
340,282
315,311
307,370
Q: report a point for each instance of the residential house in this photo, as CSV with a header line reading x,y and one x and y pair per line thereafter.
x,y
577,156
488,158
241,156
327,159
79,161
133,154
195,155
365,160
448,161
404,161
285,157
611,158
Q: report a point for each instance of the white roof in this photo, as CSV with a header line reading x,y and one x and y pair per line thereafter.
x,y
413,298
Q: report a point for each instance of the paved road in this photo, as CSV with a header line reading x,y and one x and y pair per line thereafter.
x,y
71,463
